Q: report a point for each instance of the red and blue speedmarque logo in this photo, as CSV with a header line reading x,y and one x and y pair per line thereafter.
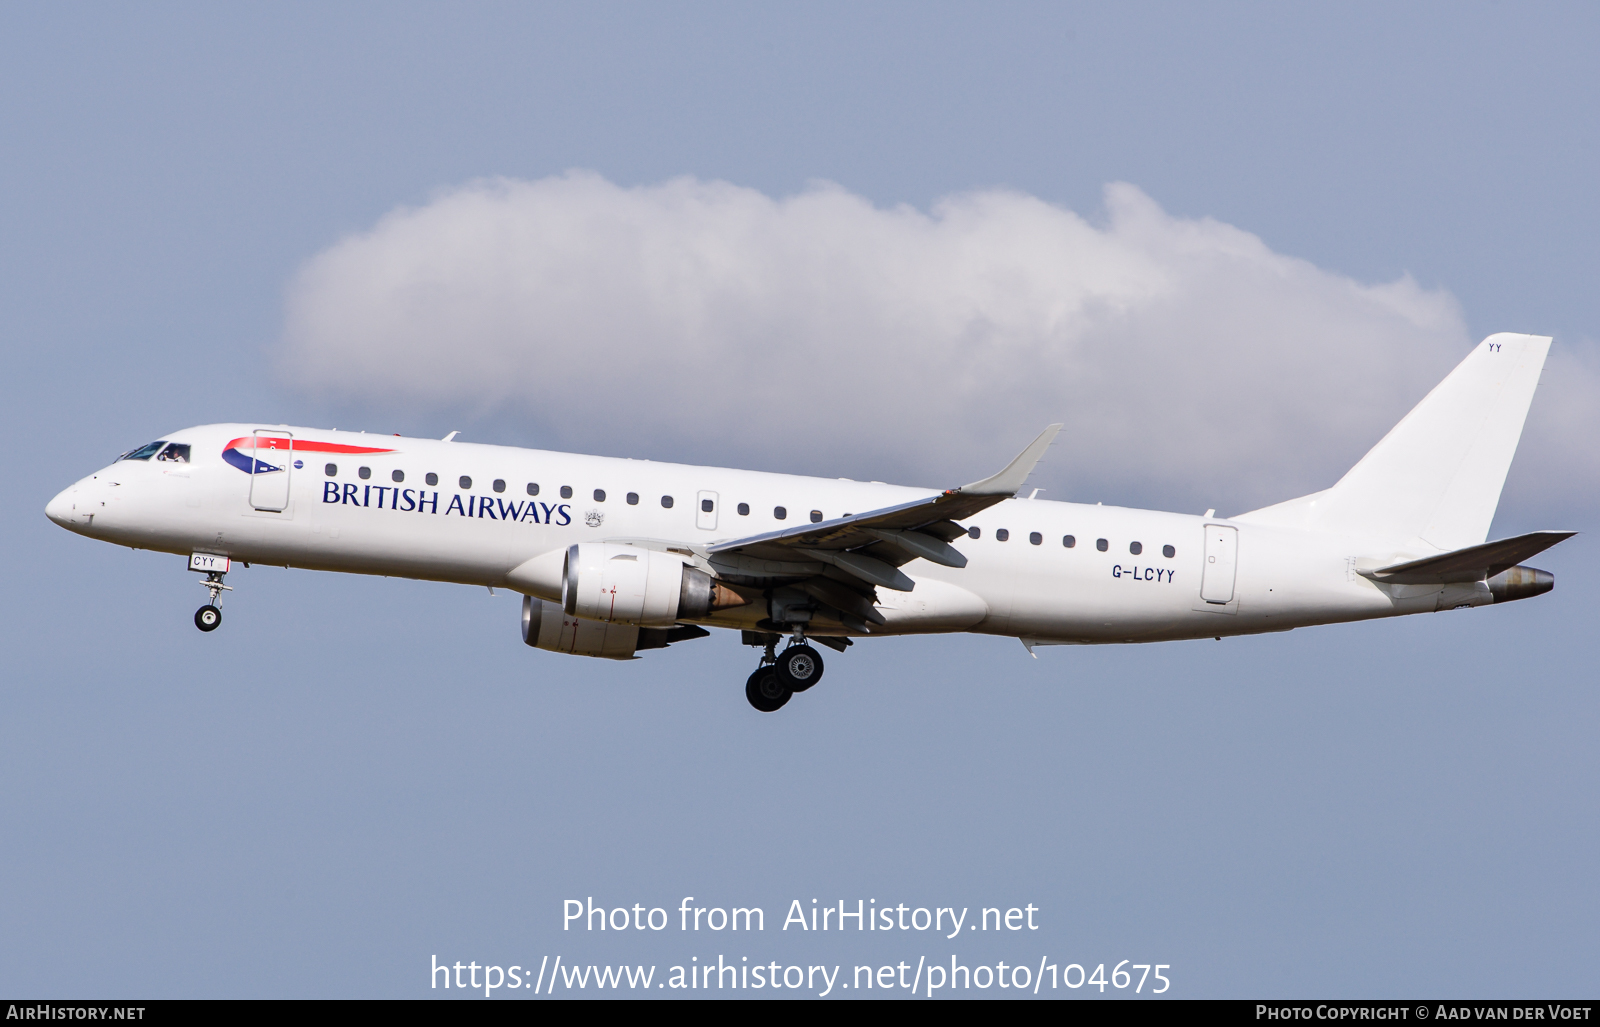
x,y
246,453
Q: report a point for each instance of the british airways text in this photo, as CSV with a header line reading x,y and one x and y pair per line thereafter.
x,y
422,501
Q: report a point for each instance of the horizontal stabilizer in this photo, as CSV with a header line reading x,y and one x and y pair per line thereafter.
x,y
1475,563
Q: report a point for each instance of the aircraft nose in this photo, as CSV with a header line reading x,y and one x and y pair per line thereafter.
x,y
59,509
70,508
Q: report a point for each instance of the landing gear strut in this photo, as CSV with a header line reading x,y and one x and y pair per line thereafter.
x,y
209,616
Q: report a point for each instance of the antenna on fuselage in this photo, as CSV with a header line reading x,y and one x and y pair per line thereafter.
x,y
451,437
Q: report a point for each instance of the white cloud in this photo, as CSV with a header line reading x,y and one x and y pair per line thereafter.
x,y
700,320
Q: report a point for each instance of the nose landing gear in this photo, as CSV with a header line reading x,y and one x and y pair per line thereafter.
x,y
209,616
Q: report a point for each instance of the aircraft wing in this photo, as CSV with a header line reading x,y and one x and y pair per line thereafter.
x,y
870,547
1474,563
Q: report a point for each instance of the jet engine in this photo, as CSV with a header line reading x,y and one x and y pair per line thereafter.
x,y
546,626
620,584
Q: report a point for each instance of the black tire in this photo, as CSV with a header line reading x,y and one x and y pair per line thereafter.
x,y
799,667
765,692
207,618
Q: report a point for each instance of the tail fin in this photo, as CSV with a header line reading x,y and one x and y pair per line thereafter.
x,y
1436,477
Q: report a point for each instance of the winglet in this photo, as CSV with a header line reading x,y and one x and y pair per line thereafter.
x,y
451,437
1009,481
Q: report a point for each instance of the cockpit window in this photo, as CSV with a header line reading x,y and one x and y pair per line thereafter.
x,y
144,452
178,453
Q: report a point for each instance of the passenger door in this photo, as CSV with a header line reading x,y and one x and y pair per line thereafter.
x,y
271,464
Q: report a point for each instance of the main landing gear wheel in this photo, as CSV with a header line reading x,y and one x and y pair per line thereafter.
x,y
207,618
799,667
765,692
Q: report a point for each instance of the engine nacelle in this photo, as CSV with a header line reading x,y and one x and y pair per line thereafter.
x,y
547,626
618,584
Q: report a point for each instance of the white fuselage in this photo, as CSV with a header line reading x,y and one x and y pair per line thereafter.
x,y
482,533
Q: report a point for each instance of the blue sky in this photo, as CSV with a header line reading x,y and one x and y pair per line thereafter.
x,y
356,774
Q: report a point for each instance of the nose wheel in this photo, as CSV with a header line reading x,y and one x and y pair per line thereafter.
x,y
209,616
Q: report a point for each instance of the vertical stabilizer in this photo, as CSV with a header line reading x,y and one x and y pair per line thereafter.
x,y
1435,479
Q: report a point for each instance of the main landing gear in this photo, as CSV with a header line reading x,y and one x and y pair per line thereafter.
x,y
765,692
799,667
209,616
780,676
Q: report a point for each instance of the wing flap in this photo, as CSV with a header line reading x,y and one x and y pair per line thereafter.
x,y
917,544
843,598
866,568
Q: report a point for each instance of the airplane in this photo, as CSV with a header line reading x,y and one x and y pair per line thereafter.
x,y
614,557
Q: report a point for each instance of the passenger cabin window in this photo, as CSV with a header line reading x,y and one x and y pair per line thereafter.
x,y
706,506
177,453
599,495
364,473
533,488
816,516
1069,540
431,478
1168,552
666,502
1101,544
466,482
633,499
744,509
499,484
566,492
398,476
1002,535
975,532
1136,548
780,513
1036,538
143,452
331,470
